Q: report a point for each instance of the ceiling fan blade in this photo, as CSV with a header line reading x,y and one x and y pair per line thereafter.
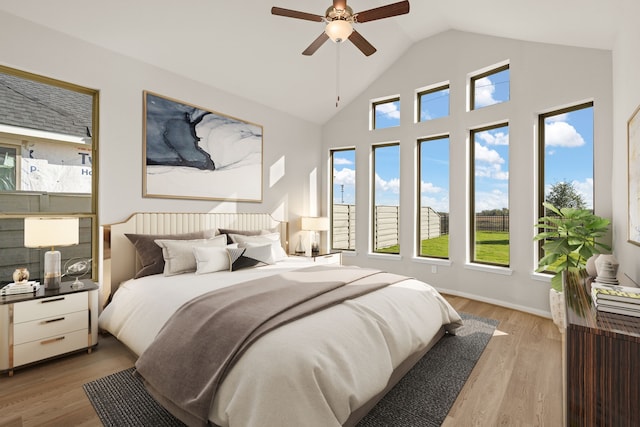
x,y
315,45
381,12
361,43
295,14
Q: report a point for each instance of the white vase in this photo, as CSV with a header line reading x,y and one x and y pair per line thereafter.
x,y
592,271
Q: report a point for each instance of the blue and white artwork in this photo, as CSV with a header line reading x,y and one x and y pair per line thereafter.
x,y
198,154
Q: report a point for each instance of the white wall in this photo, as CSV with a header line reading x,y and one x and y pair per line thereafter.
x,y
291,147
626,93
543,78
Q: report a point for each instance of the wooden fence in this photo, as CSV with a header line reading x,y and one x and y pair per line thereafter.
x,y
386,231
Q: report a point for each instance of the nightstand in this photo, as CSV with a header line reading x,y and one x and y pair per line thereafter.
x,y
46,324
333,257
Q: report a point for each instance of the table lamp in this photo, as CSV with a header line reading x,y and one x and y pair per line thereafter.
x,y
48,232
314,224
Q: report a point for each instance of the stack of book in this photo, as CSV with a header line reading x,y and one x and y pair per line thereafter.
x,y
20,288
616,299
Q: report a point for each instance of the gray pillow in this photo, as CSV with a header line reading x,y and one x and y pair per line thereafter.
x,y
228,232
150,254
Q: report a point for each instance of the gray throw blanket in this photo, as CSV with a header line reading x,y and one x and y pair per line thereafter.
x,y
185,364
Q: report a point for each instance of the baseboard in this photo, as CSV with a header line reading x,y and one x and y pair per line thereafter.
x,y
541,313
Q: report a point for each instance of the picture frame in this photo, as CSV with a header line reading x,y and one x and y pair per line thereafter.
x,y
190,152
633,174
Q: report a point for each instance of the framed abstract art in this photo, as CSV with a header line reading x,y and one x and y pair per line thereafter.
x,y
193,153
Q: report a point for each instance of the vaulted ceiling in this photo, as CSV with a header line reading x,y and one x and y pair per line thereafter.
x,y
240,47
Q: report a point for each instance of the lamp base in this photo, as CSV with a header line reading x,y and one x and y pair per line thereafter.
x,y
52,282
52,273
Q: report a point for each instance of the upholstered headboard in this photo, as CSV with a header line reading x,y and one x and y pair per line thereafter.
x,y
123,255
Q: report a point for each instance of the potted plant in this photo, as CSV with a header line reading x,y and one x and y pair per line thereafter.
x,y
570,239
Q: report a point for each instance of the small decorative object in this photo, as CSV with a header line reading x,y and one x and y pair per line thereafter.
x,y
21,275
591,266
607,268
77,267
300,246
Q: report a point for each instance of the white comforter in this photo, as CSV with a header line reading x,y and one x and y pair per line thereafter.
x,y
312,372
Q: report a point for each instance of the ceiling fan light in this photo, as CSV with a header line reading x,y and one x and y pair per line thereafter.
x,y
338,30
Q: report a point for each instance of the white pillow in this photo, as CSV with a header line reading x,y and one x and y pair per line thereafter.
x,y
272,238
210,259
178,254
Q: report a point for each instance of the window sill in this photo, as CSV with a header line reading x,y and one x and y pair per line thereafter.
x,y
391,257
432,261
505,271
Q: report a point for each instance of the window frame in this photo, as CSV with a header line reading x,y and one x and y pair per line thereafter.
x,y
472,197
429,90
472,85
373,223
331,199
418,241
92,214
541,158
378,102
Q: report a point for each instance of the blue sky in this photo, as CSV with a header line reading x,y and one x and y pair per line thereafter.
x,y
568,154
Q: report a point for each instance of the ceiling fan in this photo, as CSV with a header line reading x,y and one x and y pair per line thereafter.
x,y
340,19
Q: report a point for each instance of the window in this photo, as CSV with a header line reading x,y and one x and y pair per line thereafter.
x,y
433,103
343,199
386,113
490,195
386,198
48,139
490,88
566,157
433,197
8,166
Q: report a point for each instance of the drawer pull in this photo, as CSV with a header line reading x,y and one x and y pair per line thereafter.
x,y
52,340
53,300
44,322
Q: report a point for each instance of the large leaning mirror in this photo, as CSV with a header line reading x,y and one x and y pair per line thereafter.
x,y
48,166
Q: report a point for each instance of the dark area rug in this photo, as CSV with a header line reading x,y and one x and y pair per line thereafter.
x,y
422,398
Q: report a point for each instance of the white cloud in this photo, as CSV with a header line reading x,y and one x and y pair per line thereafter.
x,y
341,161
561,134
485,154
345,176
428,187
496,138
392,185
389,109
484,90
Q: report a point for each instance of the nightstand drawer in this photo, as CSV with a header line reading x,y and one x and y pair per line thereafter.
x,y
43,328
49,347
49,307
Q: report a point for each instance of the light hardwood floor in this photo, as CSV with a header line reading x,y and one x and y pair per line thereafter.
x,y
516,382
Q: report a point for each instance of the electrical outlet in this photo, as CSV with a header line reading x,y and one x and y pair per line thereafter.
x,y
434,269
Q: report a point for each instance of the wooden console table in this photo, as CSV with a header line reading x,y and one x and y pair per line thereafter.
x,y
602,363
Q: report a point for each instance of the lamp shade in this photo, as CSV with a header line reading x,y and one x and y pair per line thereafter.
x,y
338,30
49,232
314,223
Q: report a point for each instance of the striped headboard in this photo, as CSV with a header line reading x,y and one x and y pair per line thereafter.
x,y
123,255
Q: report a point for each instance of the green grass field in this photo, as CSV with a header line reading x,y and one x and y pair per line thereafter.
x,y
491,247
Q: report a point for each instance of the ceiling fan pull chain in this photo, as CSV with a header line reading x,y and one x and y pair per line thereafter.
x,y
337,74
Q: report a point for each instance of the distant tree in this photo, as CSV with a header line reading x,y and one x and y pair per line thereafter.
x,y
564,195
494,212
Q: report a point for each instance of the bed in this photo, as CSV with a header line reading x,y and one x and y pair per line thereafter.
x,y
328,368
